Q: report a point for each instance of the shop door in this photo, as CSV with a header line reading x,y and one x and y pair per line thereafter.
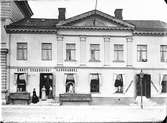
x,y
46,80
146,85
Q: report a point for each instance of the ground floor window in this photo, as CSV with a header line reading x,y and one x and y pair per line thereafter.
x,y
164,84
94,83
119,83
70,83
21,79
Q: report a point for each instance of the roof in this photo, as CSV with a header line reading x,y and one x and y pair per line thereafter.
x,y
155,26
34,23
149,25
24,7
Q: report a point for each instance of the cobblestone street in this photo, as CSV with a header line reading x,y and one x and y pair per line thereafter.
x,y
82,113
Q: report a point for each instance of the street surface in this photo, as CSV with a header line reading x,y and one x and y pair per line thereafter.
x,y
82,113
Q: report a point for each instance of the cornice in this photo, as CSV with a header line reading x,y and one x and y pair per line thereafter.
x,y
149,33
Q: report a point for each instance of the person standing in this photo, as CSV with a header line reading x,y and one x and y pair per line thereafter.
x,y
34,97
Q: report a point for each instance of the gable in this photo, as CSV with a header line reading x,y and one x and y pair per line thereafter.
x,y
95,21
95,18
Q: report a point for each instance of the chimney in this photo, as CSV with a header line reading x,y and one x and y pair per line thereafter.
x,y
118,14
62,12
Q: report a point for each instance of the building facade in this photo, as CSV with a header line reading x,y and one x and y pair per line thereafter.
x,y
11,11
91,53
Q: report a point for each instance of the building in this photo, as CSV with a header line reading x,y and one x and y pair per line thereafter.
x,y
11,11
91,53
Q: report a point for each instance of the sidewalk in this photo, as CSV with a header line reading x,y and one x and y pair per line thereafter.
x,y
82,113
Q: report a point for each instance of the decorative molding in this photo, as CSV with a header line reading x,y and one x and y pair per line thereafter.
x,y
129,39
82,38
60,38
83,67
107,39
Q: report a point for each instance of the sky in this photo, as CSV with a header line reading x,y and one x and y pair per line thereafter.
x,y
132,9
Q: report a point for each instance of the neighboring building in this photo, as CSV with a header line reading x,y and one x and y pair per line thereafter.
x,y
11,11
89,53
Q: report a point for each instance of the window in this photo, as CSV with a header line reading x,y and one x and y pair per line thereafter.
x,y
70,83
142,53
21,81
164,84
21,51
70,52
163,51
119,83
94,52
94,84
46,51
118,52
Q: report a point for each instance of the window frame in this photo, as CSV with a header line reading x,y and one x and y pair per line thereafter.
x,y
95,50
117,51
163,51
98,83
16,79
24,51
45,50
70,52
141,53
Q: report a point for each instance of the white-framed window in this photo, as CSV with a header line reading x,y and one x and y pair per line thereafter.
x,y
94,52
70,83
94,83
46,51
22,51
118,83
164,83
70,52
21,81
118,52
142,53
163,53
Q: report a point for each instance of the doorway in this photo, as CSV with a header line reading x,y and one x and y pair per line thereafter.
x,y
46,81
146,85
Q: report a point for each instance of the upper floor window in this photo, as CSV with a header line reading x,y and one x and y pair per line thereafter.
x,y
46,51
70,52
21,51
163,51
94,52
142,53
118,52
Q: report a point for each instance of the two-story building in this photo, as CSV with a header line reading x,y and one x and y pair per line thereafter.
x,y
91,53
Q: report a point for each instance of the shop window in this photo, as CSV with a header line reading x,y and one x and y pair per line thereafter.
x,y
21,79
163,51
70,52
21,51
142,53
94,84
94,52
70,83
164,84
118,52
119,83
46,51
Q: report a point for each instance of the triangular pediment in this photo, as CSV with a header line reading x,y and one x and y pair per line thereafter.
x,y
95,18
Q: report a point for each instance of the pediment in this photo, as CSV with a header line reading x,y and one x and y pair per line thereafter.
x,y
95,21
95,18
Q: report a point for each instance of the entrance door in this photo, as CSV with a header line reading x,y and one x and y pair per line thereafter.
x,y
46,80
146,85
